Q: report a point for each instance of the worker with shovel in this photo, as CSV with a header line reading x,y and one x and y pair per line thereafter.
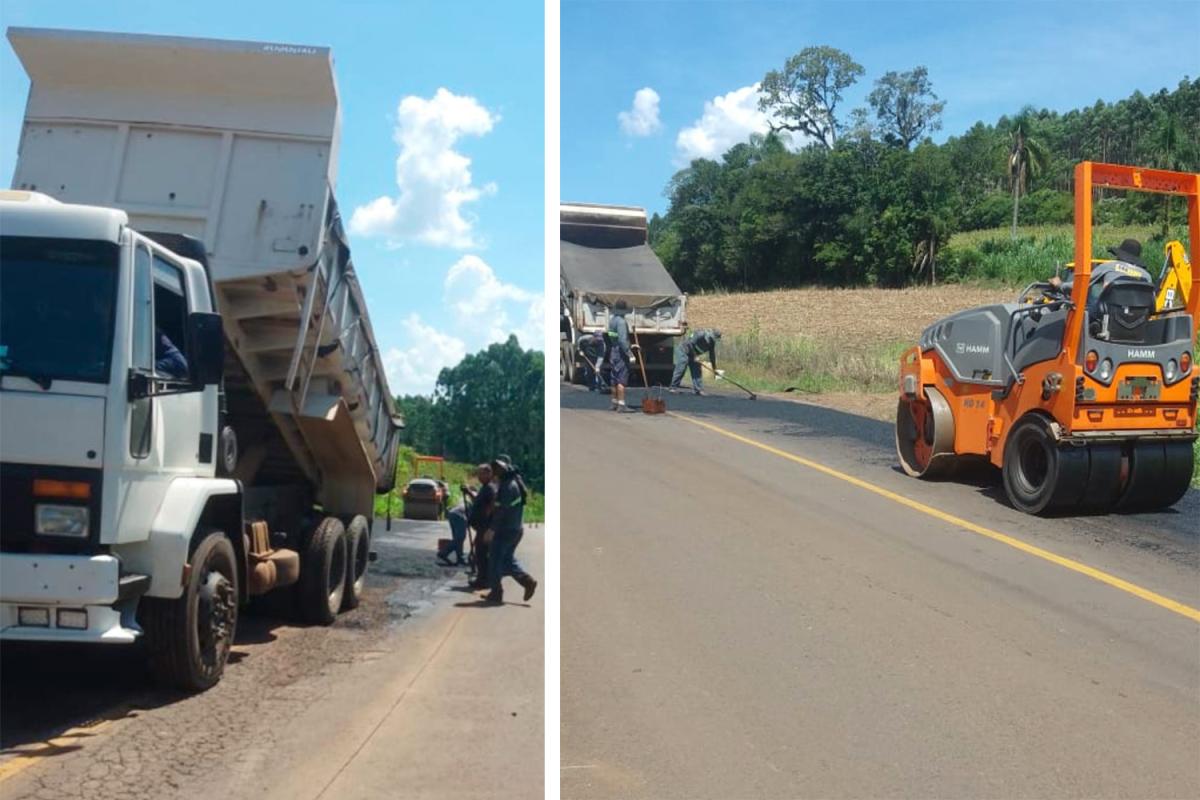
x,y
620,355
687,356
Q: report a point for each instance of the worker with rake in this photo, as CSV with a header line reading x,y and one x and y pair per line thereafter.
x,y
620,355
687,356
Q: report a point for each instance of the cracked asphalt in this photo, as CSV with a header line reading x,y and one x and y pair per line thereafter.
x,y
87,723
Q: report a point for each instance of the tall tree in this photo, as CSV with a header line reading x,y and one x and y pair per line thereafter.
x,y
1026,157
905,106
803,97
1169,146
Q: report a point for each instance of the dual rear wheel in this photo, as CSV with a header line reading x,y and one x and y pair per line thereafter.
x,y
333,569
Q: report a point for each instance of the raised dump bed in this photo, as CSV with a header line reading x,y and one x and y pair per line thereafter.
x,y
235,144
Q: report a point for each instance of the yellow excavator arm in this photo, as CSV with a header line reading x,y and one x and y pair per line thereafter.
x,y
1175,280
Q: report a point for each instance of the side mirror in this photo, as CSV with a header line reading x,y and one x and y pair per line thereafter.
x,y
206,347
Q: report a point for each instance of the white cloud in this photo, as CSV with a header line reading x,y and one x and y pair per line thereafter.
x,y
414,369
434,179
642,119
482,309
727,120
483,303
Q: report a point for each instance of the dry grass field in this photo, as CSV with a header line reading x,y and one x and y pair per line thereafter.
x,y
856,319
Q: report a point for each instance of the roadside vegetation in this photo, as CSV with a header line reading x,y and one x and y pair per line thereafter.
x,y
871,200
994,256
457,474
490,403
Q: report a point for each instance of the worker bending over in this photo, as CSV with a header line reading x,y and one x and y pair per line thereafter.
x,y
591,346
687,355
619,353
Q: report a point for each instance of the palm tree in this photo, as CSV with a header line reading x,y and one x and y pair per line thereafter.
x,y
1026,157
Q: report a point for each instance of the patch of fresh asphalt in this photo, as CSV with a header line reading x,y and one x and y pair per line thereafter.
x,y
735,624
86,722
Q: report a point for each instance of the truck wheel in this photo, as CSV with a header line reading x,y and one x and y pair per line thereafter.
x,y
358,547
189,637
566,364
323,568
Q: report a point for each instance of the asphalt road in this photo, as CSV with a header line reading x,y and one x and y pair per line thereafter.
x,y
385,700
736,624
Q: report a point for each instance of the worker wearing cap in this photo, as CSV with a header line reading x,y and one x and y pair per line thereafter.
x,y
592,347
687,356
508,527
620,355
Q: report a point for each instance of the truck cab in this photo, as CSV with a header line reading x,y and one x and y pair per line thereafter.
x,y
96,426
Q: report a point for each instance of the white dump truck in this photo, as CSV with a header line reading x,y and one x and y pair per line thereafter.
x,y
193,408
604,259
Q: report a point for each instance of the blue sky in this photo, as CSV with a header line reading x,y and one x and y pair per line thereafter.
x,y
985,59
457,264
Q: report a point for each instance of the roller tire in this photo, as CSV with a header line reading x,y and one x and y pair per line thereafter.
x,y
184,649
323,567
358,550
1147,473
1104,479
939,441
1039,476
1177,476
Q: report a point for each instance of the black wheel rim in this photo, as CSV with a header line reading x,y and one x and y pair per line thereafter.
x,y
216,618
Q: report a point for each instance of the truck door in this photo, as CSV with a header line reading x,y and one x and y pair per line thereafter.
x,y
180,416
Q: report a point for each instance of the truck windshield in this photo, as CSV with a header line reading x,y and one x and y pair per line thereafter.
x,y
56,308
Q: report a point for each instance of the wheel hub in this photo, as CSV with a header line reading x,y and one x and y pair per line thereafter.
x,y
218,613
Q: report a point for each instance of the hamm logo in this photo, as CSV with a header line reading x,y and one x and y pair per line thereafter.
x,y
1140,352
963,347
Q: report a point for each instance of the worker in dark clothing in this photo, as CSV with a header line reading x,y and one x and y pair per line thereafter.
x,y
687,356
508,527
167,358
591,347
459,519
479,517
620,355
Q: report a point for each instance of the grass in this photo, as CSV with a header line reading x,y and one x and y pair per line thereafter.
x,y
993,256
456,475
775,363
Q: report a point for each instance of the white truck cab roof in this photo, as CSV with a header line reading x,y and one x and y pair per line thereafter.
x,y
35,214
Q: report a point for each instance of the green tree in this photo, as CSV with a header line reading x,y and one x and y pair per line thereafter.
x,y
1026,157
803,97
905,106
1169,145
491,402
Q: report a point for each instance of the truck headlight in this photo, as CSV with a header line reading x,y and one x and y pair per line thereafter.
x,y
52,520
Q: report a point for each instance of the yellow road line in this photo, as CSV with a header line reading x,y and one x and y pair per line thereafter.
x,y
23,759
1075,566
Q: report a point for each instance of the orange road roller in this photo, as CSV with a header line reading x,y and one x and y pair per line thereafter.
x,y
1083,392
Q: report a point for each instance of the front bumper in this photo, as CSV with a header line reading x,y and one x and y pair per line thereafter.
x,y
53,583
